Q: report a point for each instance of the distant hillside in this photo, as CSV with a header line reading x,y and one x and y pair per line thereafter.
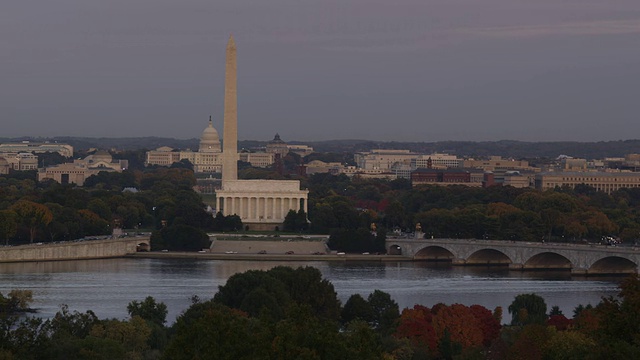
x,y
505,148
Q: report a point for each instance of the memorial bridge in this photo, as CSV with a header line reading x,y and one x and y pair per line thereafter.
x,y
580,259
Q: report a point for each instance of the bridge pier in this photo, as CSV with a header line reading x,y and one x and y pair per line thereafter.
x,y
458,262
513,266
579,271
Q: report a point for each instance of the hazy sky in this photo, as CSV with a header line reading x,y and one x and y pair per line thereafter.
x,y
404,70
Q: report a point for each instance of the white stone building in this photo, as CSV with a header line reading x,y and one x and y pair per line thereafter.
x,y
79,170
65,150
207,159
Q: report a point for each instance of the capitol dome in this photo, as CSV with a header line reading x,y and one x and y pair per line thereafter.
x,y
210,141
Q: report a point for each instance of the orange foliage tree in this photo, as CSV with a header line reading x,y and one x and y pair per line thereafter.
x,y
415,325
462,325
489,323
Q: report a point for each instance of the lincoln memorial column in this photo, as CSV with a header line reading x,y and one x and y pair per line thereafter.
x,y
273,208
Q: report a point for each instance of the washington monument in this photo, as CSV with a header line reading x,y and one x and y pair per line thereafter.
x,y
260,204
230,130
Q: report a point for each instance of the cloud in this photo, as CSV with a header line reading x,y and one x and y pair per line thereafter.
x,y
599,27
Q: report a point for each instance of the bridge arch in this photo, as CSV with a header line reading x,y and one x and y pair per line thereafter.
x,y
519,255
394,249
613,264
434,253
143,247
547,260
488,257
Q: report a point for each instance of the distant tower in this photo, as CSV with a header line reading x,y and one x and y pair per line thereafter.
x,y
230,130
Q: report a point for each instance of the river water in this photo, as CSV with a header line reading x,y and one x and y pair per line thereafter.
x,y
107,286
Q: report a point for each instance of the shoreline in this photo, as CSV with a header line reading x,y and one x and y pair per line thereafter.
x,y
267,257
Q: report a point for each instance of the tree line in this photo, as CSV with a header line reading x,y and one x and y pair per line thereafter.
x,y
499,213
162,200
287,313
357,213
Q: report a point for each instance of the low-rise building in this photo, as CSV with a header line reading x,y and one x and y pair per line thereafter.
x,y
467,177
380,159
258,159
497,163
318,166
302,150
4,166
65,150
602,181
436,161
79,170
20,161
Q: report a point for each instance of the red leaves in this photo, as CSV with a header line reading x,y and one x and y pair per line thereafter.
x,y
468,326
560,322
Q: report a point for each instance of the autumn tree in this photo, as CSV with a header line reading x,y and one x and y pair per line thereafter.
x,y
461,324
32,216
489,323
416,325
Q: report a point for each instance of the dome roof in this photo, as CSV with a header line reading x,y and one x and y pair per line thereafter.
x,y
210,140
277,140
100,155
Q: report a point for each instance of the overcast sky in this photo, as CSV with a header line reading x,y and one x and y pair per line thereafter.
x,y
403,70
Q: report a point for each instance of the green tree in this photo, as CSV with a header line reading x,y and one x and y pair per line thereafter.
x,y
16,301
528,309
149,310
8,225
271,293
290,221
213,331
32,215
385,311
569,345
357,308
131,335
180,238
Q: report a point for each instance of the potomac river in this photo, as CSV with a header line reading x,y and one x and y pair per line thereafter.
x,y
106,286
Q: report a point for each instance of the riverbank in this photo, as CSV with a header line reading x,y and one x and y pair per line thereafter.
x,y
267,257
74,250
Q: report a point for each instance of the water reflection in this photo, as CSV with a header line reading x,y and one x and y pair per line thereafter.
x,y
107,286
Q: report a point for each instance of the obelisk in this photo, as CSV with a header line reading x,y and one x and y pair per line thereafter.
x,y
230,131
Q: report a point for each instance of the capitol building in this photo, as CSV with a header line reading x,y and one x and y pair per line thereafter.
x,y
207,159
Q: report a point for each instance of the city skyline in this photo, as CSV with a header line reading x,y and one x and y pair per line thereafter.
x,y
407,71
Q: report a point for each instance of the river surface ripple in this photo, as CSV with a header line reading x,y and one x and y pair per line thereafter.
x,y
107,286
